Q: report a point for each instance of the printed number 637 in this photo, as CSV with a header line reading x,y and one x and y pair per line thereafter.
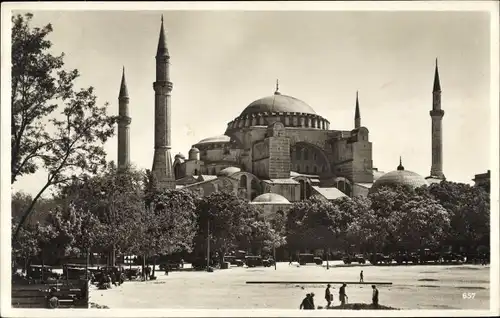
x,y
468,295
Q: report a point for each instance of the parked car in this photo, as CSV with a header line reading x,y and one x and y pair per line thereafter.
x,y
357,258
406,257
39,272
253,261
76,272
306,258
268,262
450,257
379,258
426,255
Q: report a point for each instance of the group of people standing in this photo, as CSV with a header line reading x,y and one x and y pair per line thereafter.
x,y
308,301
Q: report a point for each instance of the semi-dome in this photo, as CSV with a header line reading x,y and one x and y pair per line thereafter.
x,y
215,139
226,172
278,103
270,198
400,177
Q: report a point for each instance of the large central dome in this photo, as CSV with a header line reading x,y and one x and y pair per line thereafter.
x,y
278,103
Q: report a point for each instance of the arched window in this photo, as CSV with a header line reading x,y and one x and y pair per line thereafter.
x,y
315,169
297,154
306,154
243,181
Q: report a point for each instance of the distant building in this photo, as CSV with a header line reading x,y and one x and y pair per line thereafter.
x,y
483,180
277,145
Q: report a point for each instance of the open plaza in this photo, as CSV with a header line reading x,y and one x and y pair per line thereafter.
x,y
413,287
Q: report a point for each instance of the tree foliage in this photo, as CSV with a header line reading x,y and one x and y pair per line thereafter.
x,y
54,126
168,225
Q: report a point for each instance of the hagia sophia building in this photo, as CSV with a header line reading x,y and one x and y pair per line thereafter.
x,y
276,152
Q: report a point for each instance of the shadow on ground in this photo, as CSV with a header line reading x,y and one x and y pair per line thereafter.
x,y
360,306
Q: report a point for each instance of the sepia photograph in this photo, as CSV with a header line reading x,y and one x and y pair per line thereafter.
x,y
223,158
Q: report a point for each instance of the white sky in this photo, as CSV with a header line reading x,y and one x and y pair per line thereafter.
x,y
224,60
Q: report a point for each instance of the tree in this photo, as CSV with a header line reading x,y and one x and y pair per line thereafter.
x,y
74,139
77,231
420,223
316,224
469,211
227,219
168,225
116,198
28,244
358,223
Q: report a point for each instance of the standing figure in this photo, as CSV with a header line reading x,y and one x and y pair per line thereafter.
x,y
328,296
375,296
342,295
361,278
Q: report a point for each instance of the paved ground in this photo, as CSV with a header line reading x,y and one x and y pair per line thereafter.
x,y
414,287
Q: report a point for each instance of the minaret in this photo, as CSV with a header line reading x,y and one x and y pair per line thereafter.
x,y
123,125
357,116
437,133
162,160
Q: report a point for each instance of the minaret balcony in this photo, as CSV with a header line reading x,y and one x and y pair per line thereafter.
x,y
437,113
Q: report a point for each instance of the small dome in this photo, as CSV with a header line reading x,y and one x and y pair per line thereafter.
x,y
400,177
194,150
226,172
278,103
214,139
270,198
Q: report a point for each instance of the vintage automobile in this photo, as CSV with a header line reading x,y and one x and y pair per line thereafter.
x,y
357,258
426,256
268,262
41,272
450,257
405,258
253,261
307,258
71,271
379,258
233,260
171,266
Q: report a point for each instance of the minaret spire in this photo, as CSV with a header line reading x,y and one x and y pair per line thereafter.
x,y
357,116
436,131
437,84
123,125
123,86
162,160
162,42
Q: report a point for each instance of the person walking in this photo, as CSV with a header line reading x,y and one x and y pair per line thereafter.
x,y
342,295
328,296
307,302
375,296
361,278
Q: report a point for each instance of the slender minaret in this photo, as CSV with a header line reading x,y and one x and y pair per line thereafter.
x,y
357,116
123,125
437,133
162,161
